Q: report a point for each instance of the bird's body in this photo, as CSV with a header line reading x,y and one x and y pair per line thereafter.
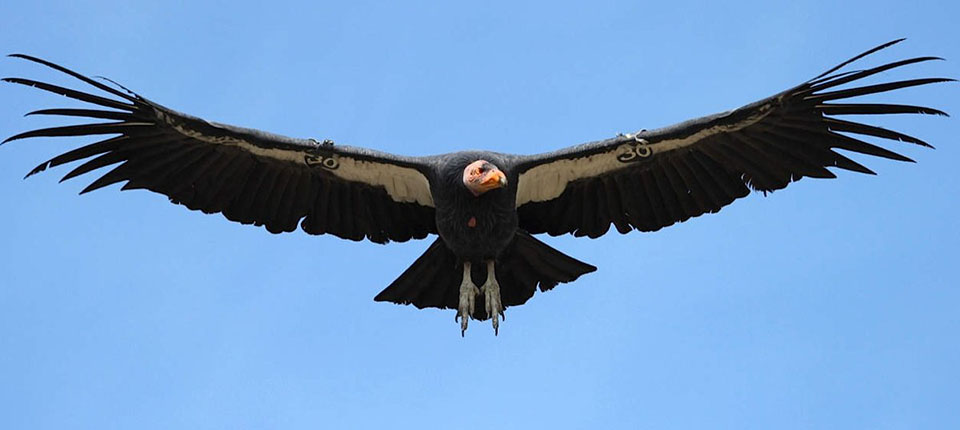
x,y
493,212
483,206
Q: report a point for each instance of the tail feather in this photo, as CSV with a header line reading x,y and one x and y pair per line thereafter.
x,y
433,280
430,271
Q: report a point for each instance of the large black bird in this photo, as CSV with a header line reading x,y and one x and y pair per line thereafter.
x,y
484,206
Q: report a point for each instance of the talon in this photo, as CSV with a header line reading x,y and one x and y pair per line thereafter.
x,y
468,299
491,295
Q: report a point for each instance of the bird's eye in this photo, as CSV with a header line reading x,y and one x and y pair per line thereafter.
x,y
481,170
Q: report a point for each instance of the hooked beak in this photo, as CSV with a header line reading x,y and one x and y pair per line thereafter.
x,y
494,179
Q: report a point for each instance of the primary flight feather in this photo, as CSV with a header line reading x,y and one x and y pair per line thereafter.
x,y
484,206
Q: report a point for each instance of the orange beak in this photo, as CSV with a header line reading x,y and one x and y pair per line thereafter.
x,y
493,180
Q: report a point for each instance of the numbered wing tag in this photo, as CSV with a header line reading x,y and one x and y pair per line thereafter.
x,y
326,161
635,151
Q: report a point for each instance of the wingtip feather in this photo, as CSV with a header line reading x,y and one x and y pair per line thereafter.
x,y
130,97
43,166
859,56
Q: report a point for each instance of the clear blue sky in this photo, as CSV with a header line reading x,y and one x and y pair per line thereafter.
x,y
831,304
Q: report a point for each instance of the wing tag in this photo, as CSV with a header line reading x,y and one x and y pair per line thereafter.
x,y
325,161
635,151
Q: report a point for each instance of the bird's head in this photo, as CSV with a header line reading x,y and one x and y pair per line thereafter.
x,y
481,176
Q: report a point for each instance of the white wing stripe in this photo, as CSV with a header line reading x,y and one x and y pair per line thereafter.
x,y
547,181
403,184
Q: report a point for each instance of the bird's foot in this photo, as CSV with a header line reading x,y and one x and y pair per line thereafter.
x,y
468,300
491,296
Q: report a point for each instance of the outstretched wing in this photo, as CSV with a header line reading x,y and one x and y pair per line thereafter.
x,y
656,178
250,176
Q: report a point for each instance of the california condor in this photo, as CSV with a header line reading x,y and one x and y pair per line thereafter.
x,y
484,206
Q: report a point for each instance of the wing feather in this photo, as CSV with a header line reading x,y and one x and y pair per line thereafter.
x,y
250,176
656,178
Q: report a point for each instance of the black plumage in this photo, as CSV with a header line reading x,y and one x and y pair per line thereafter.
x,y
484,206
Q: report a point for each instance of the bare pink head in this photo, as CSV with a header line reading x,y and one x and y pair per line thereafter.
x,y
480,176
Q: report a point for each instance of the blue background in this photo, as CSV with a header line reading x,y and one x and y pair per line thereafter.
x,y
831,304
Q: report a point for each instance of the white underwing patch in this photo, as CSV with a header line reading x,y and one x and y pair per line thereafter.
x,y
548,181
402,184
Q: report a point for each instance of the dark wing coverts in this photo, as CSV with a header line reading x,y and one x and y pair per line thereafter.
x,y
250,176
654,179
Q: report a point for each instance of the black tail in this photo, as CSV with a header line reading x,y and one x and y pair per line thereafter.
x,y
434,279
